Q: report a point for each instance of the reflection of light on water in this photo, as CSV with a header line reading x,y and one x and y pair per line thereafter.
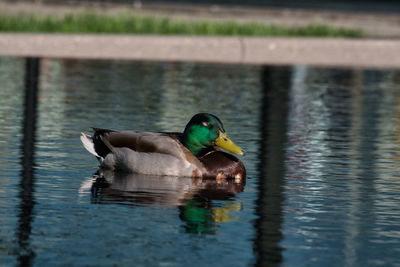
x,y
341,173
191,88
11,104
11,111
308,119
52,81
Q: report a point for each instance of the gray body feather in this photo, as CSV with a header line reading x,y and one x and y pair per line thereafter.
x,y
127,160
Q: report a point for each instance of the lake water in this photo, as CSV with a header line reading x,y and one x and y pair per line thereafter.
x,y
323,161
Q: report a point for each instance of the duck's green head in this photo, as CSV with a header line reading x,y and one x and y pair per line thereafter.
x,y
204,131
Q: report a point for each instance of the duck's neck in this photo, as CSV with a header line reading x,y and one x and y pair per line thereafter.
x,y
192,146
196,139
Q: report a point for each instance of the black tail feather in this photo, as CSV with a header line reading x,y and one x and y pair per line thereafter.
x,y
99,146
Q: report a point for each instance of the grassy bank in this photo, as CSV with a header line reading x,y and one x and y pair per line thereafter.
x,y
128,24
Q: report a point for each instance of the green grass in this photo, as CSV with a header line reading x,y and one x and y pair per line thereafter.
x,y
128,24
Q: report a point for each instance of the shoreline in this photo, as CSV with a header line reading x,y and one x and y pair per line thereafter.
x,y
338,52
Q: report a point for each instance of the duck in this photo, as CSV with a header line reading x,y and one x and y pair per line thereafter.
x,y
196,152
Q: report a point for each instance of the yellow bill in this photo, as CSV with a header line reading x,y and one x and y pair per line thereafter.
x,y
224,142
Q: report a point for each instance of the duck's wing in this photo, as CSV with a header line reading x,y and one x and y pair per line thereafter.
x,y
148,142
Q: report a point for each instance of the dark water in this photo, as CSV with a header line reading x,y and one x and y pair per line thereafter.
x,y
323,154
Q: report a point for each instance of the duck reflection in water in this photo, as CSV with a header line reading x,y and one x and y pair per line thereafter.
x,y
193,196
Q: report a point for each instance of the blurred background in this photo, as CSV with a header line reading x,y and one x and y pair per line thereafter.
x,y
356,5
374,18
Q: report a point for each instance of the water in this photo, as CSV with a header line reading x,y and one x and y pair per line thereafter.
x,y
322,146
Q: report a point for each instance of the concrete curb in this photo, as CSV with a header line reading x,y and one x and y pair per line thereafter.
x,y
233,50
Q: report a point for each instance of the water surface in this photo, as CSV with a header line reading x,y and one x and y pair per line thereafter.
x,y
322,160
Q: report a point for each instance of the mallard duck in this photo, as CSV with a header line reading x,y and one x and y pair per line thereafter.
x,y
195,152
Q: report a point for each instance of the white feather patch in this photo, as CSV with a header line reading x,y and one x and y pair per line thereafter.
x,y
88,144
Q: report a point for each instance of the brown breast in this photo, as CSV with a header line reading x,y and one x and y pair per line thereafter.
x,y
223,165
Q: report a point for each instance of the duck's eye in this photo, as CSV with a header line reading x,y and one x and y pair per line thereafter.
x,y
205,124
